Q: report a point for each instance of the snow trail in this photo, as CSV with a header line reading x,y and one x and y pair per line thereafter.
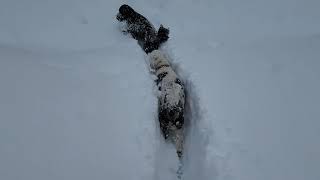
x,y
197,135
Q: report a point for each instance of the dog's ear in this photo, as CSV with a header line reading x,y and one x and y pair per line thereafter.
x,y
126,11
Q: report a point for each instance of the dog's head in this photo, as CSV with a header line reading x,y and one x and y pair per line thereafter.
x,y
125,11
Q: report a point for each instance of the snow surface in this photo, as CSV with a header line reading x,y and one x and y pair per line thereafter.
x,y
77,100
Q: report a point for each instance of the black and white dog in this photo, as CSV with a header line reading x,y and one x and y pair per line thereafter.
x,y
141,29
171,97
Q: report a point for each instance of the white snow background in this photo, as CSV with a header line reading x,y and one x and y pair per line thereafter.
x,y
77,101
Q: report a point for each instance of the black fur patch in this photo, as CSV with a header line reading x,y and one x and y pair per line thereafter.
x,y
179,82
160,77
165,116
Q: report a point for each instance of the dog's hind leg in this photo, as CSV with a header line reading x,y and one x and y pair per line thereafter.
x,y
164,129
178,139
164,123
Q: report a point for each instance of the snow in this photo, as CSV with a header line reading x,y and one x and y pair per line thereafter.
x,y
77,100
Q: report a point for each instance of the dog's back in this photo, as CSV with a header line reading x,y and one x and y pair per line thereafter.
x,y
171,96
171,99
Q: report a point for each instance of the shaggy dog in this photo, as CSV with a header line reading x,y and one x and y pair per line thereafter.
x,y
141,29
171,99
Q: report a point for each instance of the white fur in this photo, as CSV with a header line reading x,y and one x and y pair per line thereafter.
x,y
169,88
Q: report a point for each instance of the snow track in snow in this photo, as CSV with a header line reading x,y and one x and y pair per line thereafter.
x,y
193,163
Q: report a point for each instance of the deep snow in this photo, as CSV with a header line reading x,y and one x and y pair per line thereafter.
x,y
77,100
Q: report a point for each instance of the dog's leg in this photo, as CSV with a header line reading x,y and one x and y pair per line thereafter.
x,y
164,123
178,140
179,121
164,129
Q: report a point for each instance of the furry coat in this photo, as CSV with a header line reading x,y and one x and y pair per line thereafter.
x,y
141,29
171,97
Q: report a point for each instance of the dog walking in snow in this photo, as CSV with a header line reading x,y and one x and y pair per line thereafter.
x,y
141,29
171,97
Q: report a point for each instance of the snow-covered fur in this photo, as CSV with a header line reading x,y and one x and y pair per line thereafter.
x,y
171,98
141,29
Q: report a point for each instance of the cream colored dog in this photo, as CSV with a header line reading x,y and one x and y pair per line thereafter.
x,y
171,99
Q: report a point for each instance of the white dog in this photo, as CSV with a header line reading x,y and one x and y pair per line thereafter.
x,y
171,99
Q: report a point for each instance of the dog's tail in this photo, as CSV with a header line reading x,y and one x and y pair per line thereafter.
x,y
163,34
161,37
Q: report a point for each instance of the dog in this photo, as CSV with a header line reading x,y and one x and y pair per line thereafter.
x,y
171,99
141,29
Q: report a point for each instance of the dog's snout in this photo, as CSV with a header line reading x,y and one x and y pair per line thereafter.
x,y
119,17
